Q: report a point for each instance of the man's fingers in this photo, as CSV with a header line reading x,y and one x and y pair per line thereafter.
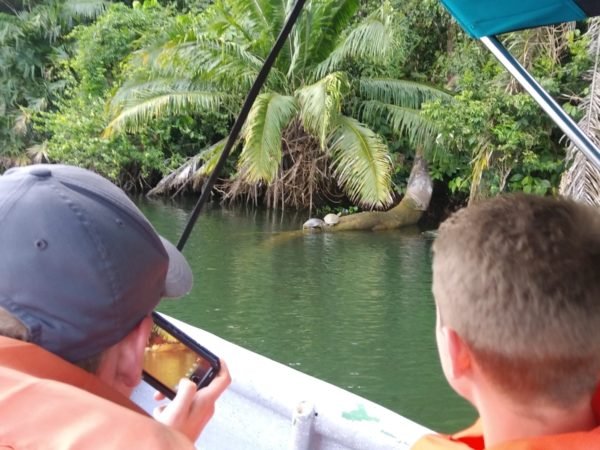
x,y
191,409
184,395
221,381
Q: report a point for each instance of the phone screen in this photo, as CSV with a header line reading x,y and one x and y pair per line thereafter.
x,y
167,359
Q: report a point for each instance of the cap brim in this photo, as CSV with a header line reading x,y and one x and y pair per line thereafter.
x,y
179,279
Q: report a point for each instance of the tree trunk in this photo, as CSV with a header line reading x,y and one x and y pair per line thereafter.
x,y
407,212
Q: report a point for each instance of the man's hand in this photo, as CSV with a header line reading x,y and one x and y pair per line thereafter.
x,y
190,410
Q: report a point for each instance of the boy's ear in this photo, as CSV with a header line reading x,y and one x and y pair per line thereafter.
x,y
122,364
131,360
459,354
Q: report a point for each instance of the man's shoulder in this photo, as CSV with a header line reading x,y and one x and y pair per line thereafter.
x,y
472,439
43,413
468,439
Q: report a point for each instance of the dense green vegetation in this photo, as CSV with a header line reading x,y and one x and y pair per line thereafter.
x,y
150,90
31,49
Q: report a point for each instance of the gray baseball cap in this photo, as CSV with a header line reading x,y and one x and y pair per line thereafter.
x,y
80,265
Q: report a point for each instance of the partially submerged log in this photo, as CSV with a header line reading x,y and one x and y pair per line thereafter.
x,y
408,212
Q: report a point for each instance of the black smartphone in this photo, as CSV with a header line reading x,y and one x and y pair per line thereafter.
x,y
171,355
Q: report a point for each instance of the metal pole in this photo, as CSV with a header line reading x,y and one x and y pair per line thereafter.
x,y
302,421
548,104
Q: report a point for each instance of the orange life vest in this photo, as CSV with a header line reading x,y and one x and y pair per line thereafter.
x,y
48,403
472,439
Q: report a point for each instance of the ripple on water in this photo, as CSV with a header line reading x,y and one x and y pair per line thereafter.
x,y
354,309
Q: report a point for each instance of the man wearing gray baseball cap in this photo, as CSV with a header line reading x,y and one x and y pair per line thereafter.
x,y
81,270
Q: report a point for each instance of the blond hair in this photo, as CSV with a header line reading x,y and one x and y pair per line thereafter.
x,y
517,277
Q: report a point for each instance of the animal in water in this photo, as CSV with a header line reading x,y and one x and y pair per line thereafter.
x,y
314,224
331,219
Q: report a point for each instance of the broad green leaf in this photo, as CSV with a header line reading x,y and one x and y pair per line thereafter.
x,y
211,156
320,104
362,163
137,104
372,39
408,94
261,154
403,121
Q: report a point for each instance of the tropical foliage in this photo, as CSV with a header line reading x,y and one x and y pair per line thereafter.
x,y
496,137
149,92
303,129
74,128
93,67
30,48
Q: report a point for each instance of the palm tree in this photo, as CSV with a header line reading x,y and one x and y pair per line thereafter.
x,y
301,128
582,180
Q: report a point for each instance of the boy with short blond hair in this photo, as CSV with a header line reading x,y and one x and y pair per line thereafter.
x,y
517,289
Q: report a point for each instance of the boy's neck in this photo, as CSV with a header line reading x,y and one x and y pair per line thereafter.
x,y
504,421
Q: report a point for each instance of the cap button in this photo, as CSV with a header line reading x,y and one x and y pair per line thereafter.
x,y
40,172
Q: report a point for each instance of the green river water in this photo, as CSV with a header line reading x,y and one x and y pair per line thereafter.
x,y
354,309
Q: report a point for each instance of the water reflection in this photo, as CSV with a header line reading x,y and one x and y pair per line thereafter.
x,y
354,309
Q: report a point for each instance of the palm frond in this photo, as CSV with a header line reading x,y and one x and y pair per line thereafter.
x,y
38,153
261,154
210,156
83,9
361,163
11,29
214,60
21,122
255,22
528,46
317,32
321,103
582,180
226,18
136,105
256,9
193,170
372,40
549,41
403,121
44,19
408,94
275,13
479,165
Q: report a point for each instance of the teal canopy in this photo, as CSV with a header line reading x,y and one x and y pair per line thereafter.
x,y
491,17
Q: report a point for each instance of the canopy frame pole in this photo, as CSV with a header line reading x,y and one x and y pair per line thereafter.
x,y
548,104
